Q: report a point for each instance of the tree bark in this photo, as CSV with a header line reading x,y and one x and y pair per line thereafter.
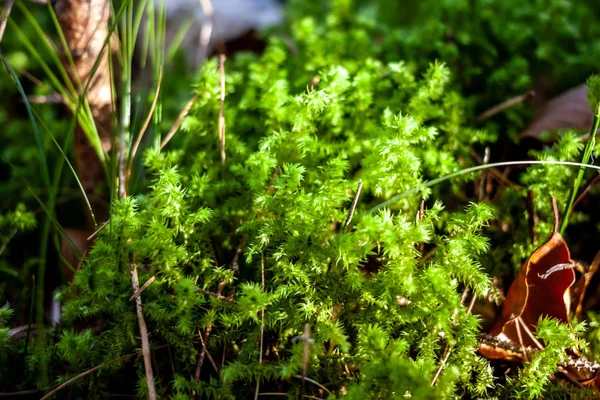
x,y
85,25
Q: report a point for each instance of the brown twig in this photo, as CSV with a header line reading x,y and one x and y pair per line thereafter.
x,y
144,287
528,331
97,231
220,289
482,179
262,321
285,395
588,277
21,393
589,185
489,113
518,326
84,374
470,309
143,332
448,349
320,386
186,109
556,215
171,360
495,172
354,203
420,215
447,353
218,296
306,338
54,98
222,106
8,239
212,361
5,13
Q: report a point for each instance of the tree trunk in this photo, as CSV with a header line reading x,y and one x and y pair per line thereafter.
x,y
85,27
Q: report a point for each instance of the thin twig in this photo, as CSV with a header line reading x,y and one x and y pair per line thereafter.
x,y
21,393
222,106
5,13
84,374
54,98
420,212
238,251
420,215
140,290
218,296
305,358
33,79
220,289
556,215
494,171
12,234
537,343
212,361
503,106
262,321
285,395
97,231
447,353
143,333
205,31
589,185
520,337
178,121
354,203
588,277
486,159
448,349
171,360
89,371
312,381
148,119
470,309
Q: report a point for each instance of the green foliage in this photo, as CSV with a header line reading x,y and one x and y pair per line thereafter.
x,y
259,246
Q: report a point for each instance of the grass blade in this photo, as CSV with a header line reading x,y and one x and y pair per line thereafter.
x,y
465,171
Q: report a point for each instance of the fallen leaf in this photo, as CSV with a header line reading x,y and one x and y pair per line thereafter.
x,y
569,110
540,289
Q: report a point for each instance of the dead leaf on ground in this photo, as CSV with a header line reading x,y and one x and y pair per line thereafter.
x,y
569,110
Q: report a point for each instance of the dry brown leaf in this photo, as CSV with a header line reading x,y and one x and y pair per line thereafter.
x,y
569,110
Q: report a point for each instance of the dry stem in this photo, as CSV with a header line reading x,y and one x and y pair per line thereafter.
x,y
221,110
178,121
212,361
354,202
262,320
5,14
144,287
503,106
83,374
143,333
448,349
219,294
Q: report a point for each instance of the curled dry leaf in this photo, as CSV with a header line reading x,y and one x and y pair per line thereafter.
x,y
569,110
540,289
